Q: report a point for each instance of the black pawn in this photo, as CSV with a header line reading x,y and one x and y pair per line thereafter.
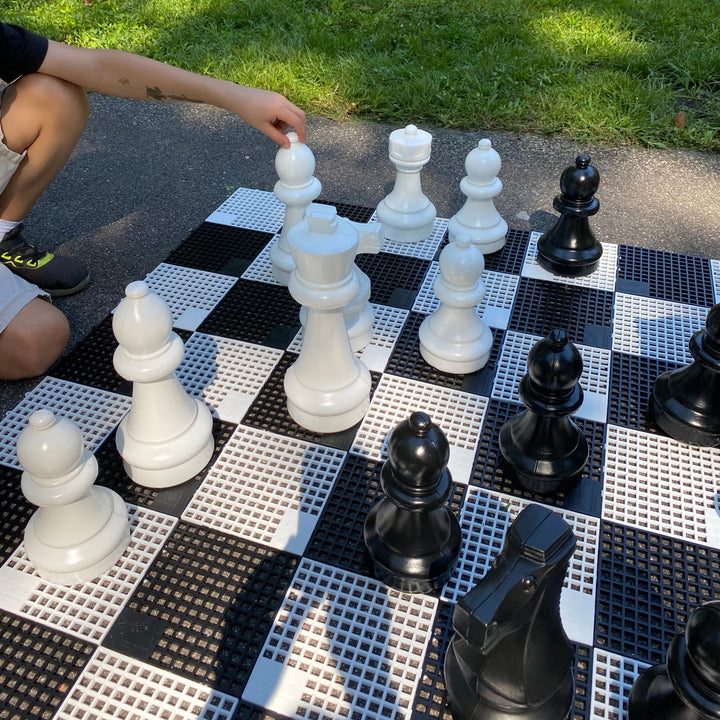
x,y
685,403
544,450
509,656
570,248
687,686
411,534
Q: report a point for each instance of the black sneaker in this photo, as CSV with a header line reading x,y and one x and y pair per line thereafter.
x,y
55,274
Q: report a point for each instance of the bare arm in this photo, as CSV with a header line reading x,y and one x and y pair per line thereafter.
x,y
122,74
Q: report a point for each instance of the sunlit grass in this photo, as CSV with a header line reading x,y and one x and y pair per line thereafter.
x,y
620,71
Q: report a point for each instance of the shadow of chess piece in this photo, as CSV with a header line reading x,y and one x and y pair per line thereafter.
x,y
544,450
687,685
685,403
411,534
79,530
570,248
510,656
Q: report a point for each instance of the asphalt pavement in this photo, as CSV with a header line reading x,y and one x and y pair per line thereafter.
x,y
144,175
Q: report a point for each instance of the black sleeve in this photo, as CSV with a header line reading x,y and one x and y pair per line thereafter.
x,y
21,51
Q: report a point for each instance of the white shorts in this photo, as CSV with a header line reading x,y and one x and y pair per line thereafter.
x,y
15,292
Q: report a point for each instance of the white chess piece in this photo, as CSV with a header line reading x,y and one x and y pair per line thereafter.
x,y
478,217
359,313
327,388
406,213
79,531
454,338
297,188
166,438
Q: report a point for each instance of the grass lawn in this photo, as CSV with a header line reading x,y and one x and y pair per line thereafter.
x,y
615,71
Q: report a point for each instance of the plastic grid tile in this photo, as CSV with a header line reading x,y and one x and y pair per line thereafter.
x,y
95,412
261,268
489,470
485,519
647,586
205,606
655,328
91,361
226,374
586,314
715,269
663,485
426,249
190,294
612,679
512,366
458,414
16,512
509,259
257,313
602,278
252,209
84,610
431,697
394,280
34,680
388,323
116,686
267,488
666,275
494,308
342,645
337,539
631,381
219,249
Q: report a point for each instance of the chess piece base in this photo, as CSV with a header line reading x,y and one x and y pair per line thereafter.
x,y
328,411
421,573
468,705
570,262
692,425
540,475
80,562
454,357
169,463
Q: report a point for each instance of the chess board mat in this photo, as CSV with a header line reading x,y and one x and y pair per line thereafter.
x,y
247,593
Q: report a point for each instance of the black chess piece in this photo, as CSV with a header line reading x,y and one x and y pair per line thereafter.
x,y
411,534
543,449
685,402
570,248
687,685
509,656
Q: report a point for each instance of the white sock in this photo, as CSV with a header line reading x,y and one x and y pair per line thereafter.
x,y
7,225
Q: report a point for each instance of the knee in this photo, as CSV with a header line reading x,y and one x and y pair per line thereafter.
x,y
58,100
33,341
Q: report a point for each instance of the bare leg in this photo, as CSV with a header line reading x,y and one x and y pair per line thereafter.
x,y
33,340
46,117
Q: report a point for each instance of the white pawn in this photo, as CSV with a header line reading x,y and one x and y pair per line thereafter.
x,y
454,338
79,531
406,214
327,388
297,188
478,217
166,438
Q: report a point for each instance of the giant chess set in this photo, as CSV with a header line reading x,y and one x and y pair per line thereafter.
x,y
330,461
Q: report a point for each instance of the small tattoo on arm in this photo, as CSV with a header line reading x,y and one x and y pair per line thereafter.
x,y
155,93
123,81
